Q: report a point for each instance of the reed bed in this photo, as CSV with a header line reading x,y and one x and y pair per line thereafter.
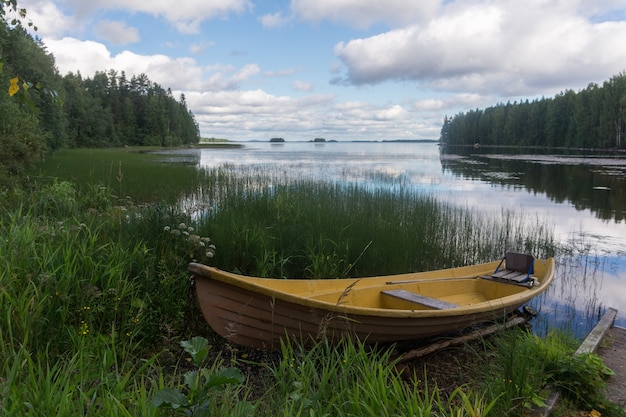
x,y
95,297
300,228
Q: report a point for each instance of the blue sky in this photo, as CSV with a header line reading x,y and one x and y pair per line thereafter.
x,y
339,69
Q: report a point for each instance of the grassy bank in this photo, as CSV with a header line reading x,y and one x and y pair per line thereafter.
x,y
95,299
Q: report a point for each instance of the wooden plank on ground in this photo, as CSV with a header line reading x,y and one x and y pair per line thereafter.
x,y
427,350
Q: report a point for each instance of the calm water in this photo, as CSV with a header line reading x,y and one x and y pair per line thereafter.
x,y
583,198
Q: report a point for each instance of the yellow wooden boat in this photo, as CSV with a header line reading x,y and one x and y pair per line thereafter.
x,y
259,312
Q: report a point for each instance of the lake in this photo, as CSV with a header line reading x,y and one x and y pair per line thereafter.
x,y
582,197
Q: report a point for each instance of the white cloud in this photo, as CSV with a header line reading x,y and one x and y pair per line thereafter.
x,y
254,114
245,73
226,77
174,73
274,20
429,104
50,20
185,15
281,73
511,47
94,56
302,86
200,47
257,114
177,73
364,13
116,32
182,73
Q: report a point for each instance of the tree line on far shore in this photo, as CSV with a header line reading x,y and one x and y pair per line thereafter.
x,y
592,118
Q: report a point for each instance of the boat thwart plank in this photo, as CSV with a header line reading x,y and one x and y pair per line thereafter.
x,y
419,299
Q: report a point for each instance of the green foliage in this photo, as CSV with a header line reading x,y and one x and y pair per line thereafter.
x,y
592,118
92,380
98,266
22,144
516,376
350,379
111,110
200,385
582,378
23,140
523,366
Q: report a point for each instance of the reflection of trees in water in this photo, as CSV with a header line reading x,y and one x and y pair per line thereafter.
x,y
596,188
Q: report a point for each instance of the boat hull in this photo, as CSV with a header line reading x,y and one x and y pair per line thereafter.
x,y
258,313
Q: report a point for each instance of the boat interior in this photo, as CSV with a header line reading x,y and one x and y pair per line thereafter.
x,y
513,275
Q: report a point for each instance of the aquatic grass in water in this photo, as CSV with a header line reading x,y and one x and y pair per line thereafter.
x,y
134,172
321,229
270,223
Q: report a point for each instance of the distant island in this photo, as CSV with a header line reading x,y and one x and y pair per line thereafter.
x,y
213,140
277,140
217,143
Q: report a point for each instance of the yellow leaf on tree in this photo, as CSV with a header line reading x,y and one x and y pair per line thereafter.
x,y
13,87
595,413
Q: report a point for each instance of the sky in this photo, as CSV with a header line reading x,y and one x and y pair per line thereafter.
x,y
339,69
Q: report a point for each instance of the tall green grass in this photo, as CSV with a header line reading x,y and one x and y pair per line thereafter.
x,y
521,369
349,379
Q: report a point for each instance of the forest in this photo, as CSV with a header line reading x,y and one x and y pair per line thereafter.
x,y
44,111
591,118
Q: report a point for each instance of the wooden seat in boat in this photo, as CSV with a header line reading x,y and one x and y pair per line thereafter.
x,y
415,298
518,268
